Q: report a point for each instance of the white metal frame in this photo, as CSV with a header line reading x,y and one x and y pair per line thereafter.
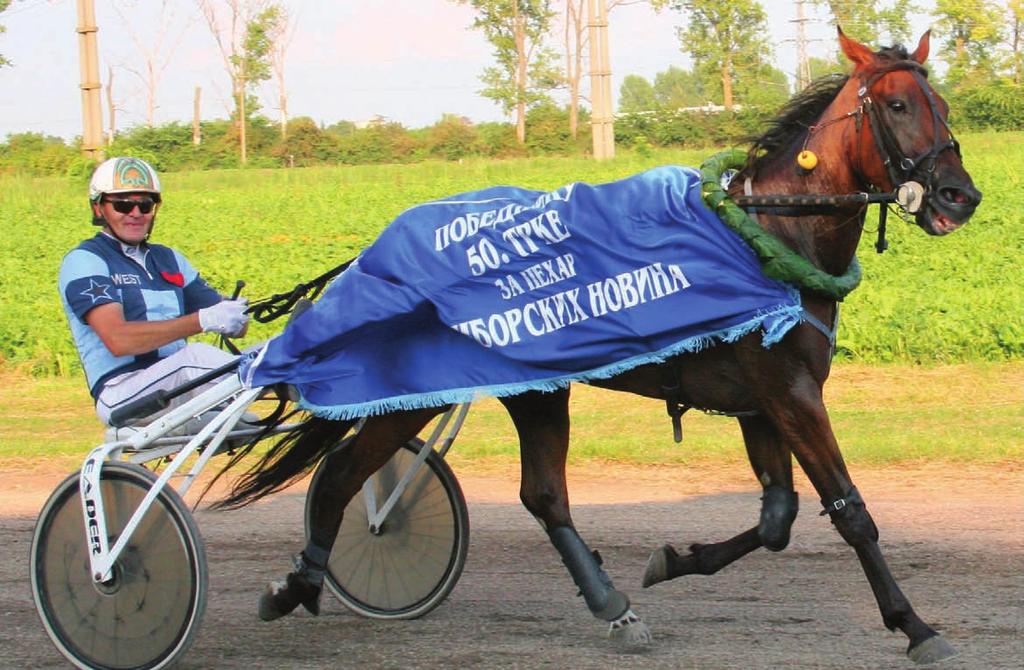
x,y
152,442
375,517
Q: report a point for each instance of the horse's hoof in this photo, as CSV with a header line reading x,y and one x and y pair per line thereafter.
x,y
629,633
932,650
657,566
270,608
280,598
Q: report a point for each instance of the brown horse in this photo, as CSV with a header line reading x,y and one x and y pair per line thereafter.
x,y
874,130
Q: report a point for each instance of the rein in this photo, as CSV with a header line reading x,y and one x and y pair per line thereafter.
x,y
778,261
279,304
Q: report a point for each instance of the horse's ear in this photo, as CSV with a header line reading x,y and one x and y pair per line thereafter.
x,y
858,54
921,52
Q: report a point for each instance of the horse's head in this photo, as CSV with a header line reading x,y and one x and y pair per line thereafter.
x,y
906,137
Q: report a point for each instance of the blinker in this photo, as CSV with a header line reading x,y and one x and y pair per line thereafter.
x,y
909,196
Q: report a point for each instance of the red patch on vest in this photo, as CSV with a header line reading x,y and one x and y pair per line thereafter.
x,y
176,278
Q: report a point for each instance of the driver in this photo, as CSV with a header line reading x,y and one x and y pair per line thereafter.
x,y
131,304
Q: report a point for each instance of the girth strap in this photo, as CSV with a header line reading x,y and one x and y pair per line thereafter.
x,y
828,332
671,373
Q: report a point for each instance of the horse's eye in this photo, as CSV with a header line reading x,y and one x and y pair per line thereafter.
x,y
898,106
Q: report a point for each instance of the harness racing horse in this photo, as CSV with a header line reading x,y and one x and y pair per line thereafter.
x,y
873,131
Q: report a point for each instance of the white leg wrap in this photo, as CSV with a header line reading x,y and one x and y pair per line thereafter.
x,y
629,630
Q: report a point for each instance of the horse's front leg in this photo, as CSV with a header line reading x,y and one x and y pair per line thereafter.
x,y
802,420
346,470
542,421
773,468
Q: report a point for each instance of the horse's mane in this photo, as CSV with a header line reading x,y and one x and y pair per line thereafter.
x,y
803,109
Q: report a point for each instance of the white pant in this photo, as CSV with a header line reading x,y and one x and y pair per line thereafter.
x,y
193,360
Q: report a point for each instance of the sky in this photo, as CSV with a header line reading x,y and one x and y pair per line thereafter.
x,y
410,61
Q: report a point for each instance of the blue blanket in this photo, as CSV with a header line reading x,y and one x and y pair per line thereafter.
x,y
504,290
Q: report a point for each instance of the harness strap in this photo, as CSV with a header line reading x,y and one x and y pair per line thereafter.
x,y
670,376
828,332
671,372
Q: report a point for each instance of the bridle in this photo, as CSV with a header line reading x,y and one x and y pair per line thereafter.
x,y
913,178
900,167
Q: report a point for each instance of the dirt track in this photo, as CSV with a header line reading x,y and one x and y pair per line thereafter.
x,y
954,539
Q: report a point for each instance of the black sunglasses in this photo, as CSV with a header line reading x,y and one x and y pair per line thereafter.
x,y
126,206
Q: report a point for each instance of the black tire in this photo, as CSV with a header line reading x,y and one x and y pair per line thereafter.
x,y
149,613
411,566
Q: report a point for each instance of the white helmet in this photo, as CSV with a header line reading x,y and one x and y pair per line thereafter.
x,y
124,175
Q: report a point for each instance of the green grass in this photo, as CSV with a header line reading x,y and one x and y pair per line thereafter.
x,y
881,415
924,301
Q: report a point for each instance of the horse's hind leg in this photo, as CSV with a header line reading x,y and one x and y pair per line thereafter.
x,y
772,465
542,421
349,467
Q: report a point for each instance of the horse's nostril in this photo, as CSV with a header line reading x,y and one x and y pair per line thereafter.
x,y
956,196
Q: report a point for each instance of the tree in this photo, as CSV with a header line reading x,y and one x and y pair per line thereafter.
x,y
281,35
872,22
525,70
452,138
305,144
971,30
245,47
823,66
727,38
767,86
575,42
677,87
636,94
1015,28
3,5
154,47
111,107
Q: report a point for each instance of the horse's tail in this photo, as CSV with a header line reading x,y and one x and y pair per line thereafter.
x,y
292,457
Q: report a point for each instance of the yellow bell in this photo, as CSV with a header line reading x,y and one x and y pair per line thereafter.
x,y
807,160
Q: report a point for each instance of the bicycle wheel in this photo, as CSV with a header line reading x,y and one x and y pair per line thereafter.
x,y
413,563
148,613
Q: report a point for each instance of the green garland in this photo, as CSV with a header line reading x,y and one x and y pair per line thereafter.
x,y
777,260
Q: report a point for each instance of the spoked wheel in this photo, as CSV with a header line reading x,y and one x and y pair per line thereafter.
x,y
409,565
148,613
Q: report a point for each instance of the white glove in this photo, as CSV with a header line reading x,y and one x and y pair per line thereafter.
x,y
227,317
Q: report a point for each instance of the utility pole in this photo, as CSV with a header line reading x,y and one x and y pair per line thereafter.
x,y
89,62
803,66
601,119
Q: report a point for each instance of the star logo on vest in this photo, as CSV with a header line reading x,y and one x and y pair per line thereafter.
x,y
97,291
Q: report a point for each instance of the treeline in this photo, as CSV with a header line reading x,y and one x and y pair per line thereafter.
x,y
998,106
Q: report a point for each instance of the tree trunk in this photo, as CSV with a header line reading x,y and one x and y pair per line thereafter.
x,y
111,109
197,133
577,71
1018,62
520,40
150,92
727,82
241,121
282,99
